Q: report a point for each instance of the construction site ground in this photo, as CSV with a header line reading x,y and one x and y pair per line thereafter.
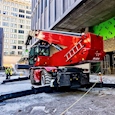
x,y
99,101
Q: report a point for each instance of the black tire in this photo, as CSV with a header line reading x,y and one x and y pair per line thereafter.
x,y
45,78
33,82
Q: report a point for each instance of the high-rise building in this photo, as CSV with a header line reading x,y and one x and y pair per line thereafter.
x,y
15,19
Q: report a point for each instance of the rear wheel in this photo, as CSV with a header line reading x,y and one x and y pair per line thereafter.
x,y
45,78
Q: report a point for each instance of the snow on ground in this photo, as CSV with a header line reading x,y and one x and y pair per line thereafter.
x,y
105,78
14,86
100,101
56,103
10,106
3,77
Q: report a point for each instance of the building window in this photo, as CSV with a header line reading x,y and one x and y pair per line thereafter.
x,y
13,20
5,12
14,9
13,47
28,17
27,7
28,22
12,3
12,52
21,21
19,47
5,23
28,12
21,16
22,11
21,26
21,31
13,35
6,46
13,30
20,42
20,37
13,25
6,3
6,8
6,18
5,53
22,6
19,53
6,30
13,41
27,27
6,40
14,14
6,35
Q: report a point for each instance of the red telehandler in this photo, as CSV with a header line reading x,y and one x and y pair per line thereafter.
x,y
54,55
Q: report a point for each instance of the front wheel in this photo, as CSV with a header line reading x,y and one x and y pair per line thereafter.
x,y
45,78
32,77
33,82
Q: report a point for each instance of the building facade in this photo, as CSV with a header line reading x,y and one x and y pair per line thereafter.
x,y
47,13
15,19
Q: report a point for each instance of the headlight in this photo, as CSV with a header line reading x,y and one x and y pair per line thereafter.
x,y
38,59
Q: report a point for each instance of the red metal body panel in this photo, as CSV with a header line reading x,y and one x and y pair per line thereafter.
x,y
92,49
42,61
37,73
61,39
